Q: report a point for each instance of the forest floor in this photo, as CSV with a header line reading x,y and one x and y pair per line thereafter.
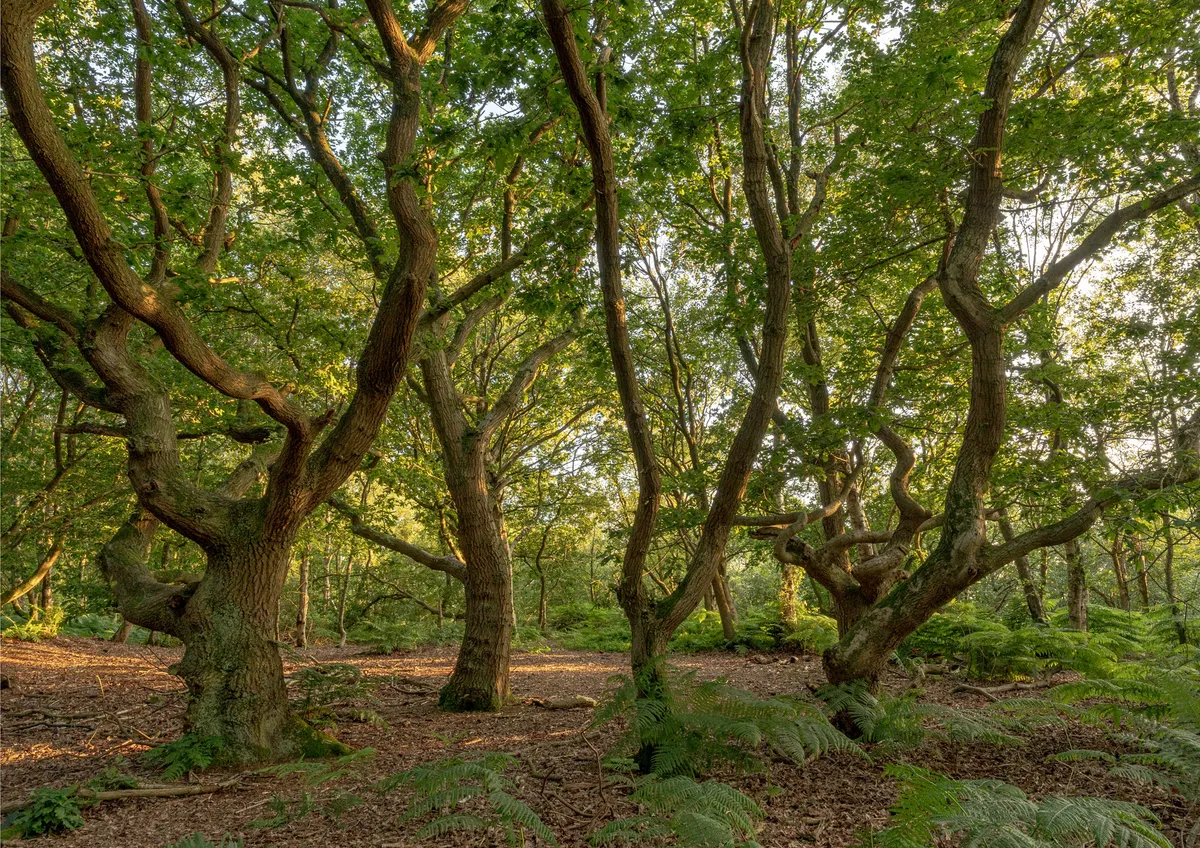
x,y
75,705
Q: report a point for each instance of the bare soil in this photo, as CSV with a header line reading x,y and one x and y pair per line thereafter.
x,y
75,705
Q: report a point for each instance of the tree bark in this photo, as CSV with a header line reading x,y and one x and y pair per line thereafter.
x,y
302,605
789,585
230,662
1077,590
1117,554
480,678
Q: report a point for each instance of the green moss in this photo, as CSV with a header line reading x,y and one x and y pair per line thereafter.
x,y
313,744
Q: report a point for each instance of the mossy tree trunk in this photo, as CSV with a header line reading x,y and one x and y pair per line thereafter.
x,y
231,664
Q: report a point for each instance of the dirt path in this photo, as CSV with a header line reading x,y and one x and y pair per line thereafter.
x,y
76,704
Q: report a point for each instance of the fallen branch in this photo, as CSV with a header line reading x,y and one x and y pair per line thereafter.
x,y
993,691
565,702
94,797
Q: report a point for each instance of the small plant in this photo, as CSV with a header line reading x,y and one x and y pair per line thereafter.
x,y
186,754
48,811
112,777
313,774
691,814
328,692
467,795
933,808
199,840
44,626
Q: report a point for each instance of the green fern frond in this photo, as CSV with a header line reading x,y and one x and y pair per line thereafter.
x,y
452,823
695,815
990,813
443,788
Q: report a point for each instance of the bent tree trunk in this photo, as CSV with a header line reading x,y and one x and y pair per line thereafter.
x,y
40,575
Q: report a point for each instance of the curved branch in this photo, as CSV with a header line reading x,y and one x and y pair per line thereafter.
x,y
526,373
447,564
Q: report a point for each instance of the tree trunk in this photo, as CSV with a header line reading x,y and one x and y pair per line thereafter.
x,y
1169,579
789,585
1033,597
1119,570
342,601
231,664
725,607
48,590
542,601
302,606
40,575
1143,575
1077,592
480,678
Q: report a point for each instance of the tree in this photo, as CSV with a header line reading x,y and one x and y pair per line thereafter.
x,y
887,603
231,665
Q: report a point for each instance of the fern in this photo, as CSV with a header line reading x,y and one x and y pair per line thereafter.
x,y
690,727
905,722
186,754
442,788
328,692
991,813
1155,710
333,805
48,811
691,814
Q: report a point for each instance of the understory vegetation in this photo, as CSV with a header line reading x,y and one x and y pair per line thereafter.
x,y
856,342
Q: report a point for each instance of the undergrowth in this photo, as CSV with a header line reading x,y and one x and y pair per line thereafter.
x,y
455,795
933,808
190,752
686,727
688,813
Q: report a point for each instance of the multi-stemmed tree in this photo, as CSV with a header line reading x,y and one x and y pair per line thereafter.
x,y
231,665
879,602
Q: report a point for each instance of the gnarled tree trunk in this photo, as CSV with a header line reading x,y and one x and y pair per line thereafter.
x,y
230,662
